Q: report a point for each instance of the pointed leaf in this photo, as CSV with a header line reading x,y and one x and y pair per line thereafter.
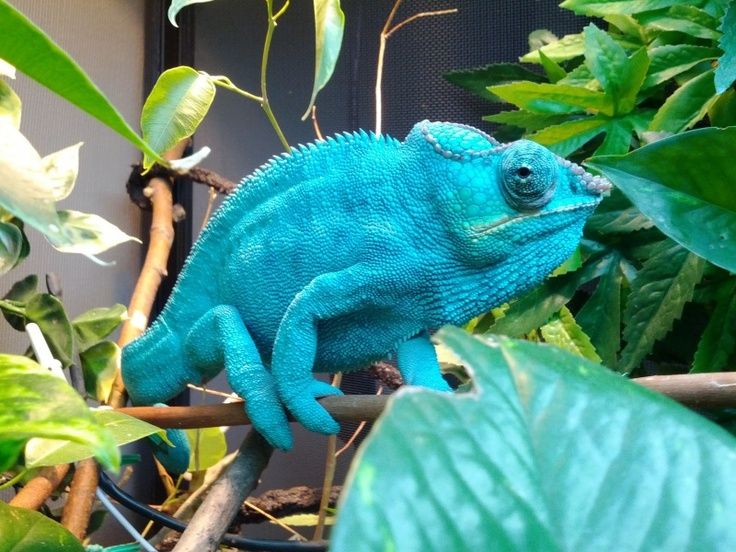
x,y
671,60
31,51
658,294
478,80
609,7
9,105
718,341
618,138
329,26
96,324
563,332
568,137
526,119
37,404
568,47
616,215
177,5
174,109
552,69
684,19
89,234
100,364
544,455
25,530
553,98
726,70
124,429
684,185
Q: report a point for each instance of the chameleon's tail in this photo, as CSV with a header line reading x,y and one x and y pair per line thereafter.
x,y
153,366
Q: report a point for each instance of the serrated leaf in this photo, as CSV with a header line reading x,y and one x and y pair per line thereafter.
x,y
88,234
668,61
553,98
526,119
535,307
208,447
25,530
726,70
563,332
32,52
616,215
10,106
681,184
718,341
124,429
173,110
479,79
178,5
573,262
100,364
628,25
618,137
608,7
565,138
548,450
38,404
552,69
581,77
568,47
683,19
96,324
329,26
600,317
659,292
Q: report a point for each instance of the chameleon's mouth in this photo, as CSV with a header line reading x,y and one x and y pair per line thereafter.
x,y
508,221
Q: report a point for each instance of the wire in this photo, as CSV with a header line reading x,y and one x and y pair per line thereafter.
x,y
117,514
243,543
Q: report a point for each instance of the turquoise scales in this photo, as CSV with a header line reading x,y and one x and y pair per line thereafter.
x,y
347,250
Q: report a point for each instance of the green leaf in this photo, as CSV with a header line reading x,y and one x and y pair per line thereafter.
x,y
565,138
618,138
552,69
608,7
478,80
549,453
208,447
684,19
537,306
681,183
177,5
726,70
582,78
329,26
11,246
26,530
9,105
48,312
89,234
718,341
563,332
96,324
600,317
553,98
175,108
122,428
668,61
616,215
37,404
31,51
100,363
659,292
20,294
722,112
568,47
526,119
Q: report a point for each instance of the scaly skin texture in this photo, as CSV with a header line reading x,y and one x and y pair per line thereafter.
x,y
345,251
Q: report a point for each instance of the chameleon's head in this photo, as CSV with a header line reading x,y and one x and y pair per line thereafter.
x,y
517,203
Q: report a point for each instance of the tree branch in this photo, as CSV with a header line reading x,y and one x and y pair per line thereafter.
x,y
38,490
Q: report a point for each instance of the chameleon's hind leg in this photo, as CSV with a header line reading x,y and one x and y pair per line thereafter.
x,y
417,362
220,337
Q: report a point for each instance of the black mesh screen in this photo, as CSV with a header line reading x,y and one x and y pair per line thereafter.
x,y
482,32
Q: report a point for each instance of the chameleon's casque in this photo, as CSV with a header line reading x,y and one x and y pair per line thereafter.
x,y
350,249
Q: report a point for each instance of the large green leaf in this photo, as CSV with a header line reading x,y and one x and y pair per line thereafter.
x,y
609,7
550,452
23,530
658,294
479,79
31,51
553,98
683,183
687,105
177,5
671,60
124,429
329,26
174,109
33,403
726,70
718,341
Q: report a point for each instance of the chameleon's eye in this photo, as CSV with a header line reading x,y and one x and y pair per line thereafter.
x,y
528,174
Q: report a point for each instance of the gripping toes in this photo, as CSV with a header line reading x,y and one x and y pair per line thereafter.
x,y
307,411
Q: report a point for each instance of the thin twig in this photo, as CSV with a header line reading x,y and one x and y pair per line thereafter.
x,y
330,465
212,391
265,104
315,124
275,520
418,16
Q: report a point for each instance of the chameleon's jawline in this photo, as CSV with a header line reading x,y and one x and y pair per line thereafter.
x,y
486,229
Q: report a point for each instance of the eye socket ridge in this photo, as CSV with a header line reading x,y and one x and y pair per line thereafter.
x,y
527,181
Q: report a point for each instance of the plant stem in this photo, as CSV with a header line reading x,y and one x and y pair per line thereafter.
x,y
39,489
330,464
265,105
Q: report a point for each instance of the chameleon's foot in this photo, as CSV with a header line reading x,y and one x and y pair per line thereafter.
x,y
272,424
304,407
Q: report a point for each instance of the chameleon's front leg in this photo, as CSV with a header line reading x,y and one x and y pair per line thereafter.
x,y
418,364
220,337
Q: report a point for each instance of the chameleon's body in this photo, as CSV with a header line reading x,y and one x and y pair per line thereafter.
x,y
348,250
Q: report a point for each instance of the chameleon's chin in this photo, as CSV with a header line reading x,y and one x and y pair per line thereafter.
x,y
576,209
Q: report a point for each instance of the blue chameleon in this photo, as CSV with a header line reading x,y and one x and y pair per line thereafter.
x,y
352,249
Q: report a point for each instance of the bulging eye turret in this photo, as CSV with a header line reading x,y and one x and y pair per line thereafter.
x,y
528,175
